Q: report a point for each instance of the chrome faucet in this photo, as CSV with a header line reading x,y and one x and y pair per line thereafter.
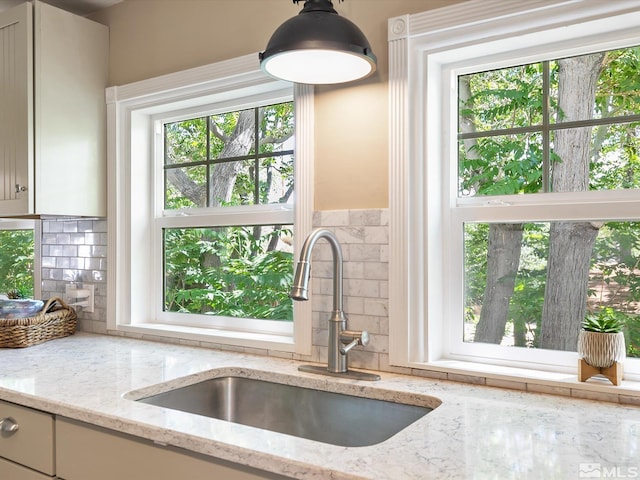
x,y
341,340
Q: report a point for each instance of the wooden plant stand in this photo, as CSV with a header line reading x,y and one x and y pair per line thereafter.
x,y
613,373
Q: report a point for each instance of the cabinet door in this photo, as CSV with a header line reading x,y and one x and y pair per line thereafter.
x,y
13,471
16,109
31,444
71,73
87,452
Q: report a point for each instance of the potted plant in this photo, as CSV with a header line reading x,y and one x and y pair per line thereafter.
x,y
601,341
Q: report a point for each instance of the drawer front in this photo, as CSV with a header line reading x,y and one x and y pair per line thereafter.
x,y
32,443
13,471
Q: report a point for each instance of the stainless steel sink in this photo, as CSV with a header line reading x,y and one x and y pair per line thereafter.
x,y
328,417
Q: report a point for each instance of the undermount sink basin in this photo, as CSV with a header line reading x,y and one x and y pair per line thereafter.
x,y
323,416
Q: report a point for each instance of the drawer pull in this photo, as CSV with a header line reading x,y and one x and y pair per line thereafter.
x,y
8,425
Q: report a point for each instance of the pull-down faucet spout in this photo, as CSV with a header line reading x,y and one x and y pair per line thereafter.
x,y
341,340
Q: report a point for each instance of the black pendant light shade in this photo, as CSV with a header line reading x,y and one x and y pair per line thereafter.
x,y
318,46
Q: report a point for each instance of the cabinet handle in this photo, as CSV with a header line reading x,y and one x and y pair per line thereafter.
x,y
20,188
8,425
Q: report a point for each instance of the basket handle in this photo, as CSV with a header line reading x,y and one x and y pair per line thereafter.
x,y
51,303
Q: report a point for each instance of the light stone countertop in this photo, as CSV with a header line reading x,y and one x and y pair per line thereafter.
x,y
476,432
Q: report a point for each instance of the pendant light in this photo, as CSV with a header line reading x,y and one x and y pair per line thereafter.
x,y
318,46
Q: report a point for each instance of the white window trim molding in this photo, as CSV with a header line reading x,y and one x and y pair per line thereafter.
x,y
416,134
130,111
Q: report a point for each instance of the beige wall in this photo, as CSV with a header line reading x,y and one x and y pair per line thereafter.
x,y
154,37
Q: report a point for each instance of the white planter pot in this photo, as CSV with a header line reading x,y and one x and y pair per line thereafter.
x,y
601,349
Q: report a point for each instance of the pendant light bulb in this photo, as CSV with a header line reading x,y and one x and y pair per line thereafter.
x,y
318,46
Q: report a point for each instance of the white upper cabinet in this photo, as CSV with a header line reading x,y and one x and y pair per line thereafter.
x,y
53,74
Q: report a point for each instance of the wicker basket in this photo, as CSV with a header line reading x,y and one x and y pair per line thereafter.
x,y
55,320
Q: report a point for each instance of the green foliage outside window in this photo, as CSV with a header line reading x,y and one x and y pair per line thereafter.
x,y
230,271
16,263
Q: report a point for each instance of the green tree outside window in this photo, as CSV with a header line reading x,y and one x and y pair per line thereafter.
x,y
16,263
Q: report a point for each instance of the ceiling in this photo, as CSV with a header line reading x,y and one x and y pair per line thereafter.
x,y
81,7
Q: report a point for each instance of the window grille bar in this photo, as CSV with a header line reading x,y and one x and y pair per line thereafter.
x,y
593,122
546,134
199,163
256,161
208,164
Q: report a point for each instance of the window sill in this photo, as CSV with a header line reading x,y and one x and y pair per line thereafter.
x,y
536,381
224,338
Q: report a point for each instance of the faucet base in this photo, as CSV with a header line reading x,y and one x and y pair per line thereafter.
x,y
351,374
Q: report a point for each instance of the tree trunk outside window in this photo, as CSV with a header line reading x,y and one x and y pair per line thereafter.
x,y
570,243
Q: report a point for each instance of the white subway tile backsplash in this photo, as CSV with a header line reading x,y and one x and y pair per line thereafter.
x,y
51,227
88,226
362,288
354,305
78,239
363,252
354,270
376,270
70,226
376,307
321,303
333,218
322,269
376,235
76,263
62,262
75,251
350,235
49,239
70,250
365,217
48,262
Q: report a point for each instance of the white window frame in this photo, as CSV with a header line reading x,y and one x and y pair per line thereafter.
x,y
36,226
427,52
135,113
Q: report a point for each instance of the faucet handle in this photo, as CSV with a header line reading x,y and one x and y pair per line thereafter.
x,y
357,338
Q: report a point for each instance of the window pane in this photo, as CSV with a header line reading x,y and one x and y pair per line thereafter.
x,y
617,90
276,179
500,165
241,272
531,284
616,157
233,183
276,128
499,99
186,141
16,263
603,157
232,134
185,187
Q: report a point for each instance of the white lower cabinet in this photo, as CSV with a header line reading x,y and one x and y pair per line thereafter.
x,y
26,443
84,452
